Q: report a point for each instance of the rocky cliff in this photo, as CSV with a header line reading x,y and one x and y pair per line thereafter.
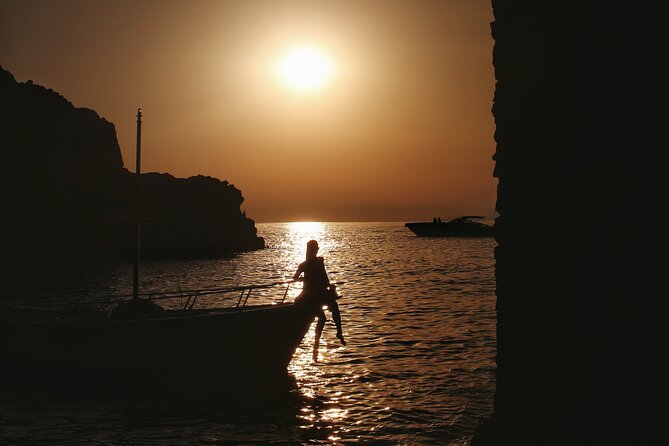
x,y
581,109
66,194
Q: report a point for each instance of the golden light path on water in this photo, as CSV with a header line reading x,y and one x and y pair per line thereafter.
x,y
299,233
302,366
294,247
392,292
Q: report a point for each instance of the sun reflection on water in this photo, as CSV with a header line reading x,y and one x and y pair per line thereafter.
x,y
390,290
291,248
333,414
307,226
299,233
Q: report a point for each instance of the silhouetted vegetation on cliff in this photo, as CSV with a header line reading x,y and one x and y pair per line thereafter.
x,y
66,193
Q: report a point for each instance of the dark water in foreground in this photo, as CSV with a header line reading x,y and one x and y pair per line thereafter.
x,y
419,317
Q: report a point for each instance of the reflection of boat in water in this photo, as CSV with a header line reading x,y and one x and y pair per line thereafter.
x,y
142,337
458,227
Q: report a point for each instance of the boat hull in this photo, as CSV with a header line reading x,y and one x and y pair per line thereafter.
x,y
445,229
224,341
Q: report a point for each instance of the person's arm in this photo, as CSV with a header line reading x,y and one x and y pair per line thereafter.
x,y
300,268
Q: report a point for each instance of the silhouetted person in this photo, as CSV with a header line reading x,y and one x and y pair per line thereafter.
x,y
434,220
319,291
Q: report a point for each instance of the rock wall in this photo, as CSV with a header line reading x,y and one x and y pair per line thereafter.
x,y
66,195
580,111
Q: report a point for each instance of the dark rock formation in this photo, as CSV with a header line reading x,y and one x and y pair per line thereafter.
x,y
198,216
66,194
580,109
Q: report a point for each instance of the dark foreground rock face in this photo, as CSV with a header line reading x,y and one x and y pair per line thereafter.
x,y
581,111
66,195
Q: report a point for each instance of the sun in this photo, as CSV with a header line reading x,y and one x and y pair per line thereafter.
x,y
305,68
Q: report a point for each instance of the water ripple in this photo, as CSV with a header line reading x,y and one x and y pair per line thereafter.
x,y
419,317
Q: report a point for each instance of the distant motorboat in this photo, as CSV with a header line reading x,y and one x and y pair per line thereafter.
x,y
458,227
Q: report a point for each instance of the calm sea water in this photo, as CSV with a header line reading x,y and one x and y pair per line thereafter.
x,y
419,318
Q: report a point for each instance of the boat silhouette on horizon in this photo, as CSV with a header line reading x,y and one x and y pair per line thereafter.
x,y
464,226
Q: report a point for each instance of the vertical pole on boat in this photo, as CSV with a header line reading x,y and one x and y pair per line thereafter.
x,y
138,206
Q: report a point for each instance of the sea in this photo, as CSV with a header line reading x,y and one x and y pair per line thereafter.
x,y
418,368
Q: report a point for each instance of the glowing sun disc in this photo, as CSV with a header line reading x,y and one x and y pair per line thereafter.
x,y
305,68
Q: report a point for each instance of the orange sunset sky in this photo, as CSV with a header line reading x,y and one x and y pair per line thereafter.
x,y
386,118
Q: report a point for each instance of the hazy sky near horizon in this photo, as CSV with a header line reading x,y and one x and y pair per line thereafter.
x,y
400,129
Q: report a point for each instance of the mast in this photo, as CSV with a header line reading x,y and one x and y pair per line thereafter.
x,y
138,206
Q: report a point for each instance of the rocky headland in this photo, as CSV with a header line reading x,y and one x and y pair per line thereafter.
x,y
67,195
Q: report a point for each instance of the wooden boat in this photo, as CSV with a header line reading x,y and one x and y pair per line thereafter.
x,y
457,227
140,337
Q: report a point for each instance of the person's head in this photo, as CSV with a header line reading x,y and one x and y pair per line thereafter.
x,y
312,249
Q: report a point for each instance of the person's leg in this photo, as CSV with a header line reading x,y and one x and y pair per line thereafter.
x,y
317,333
336,316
